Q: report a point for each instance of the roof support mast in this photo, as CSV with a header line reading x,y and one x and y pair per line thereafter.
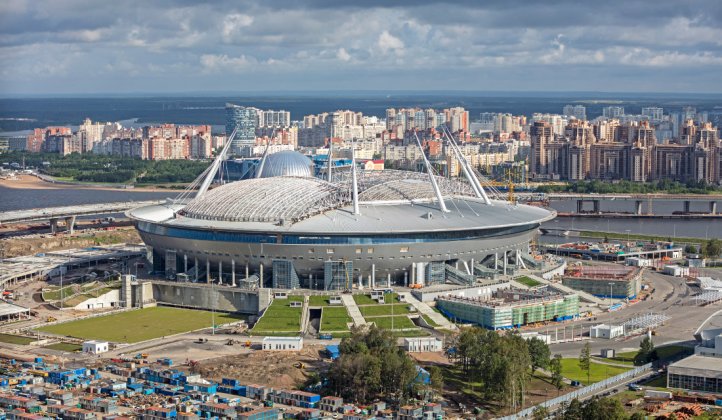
x,y
330,160
216,164
259,170
355,183
437,191
468,170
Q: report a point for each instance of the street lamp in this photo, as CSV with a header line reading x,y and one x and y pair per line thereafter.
x,y
627,230
610,293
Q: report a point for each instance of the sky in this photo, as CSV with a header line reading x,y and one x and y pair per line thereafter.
x,y
164,46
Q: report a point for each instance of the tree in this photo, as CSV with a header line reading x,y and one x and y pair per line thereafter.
x,y
637,415
690,249
574,411
436,378
555,366
603,409
646,352
712,248
540,413
585,360
539,353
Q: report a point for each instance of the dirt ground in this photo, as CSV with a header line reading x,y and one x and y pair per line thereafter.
x,y
14,247
277,369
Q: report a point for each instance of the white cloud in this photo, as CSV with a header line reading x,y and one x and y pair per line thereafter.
x,y
222,62
388,42
233,24
343,55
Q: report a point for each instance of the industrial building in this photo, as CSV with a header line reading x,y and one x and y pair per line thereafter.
x,y
283,343
606,331
615,282
509,308
696,373
423,344
353,228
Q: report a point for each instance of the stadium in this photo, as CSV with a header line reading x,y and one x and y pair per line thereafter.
x,y
285,228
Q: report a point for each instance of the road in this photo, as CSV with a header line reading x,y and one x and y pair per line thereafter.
x,y
671,297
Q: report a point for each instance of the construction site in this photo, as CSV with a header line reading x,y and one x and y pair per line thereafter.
x,y
607,281
509,308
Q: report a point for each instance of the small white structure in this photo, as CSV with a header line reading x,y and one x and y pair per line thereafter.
x,y
335,300
543,337
606,331
419,344
95,347
608,353
676,270
283,343
638,262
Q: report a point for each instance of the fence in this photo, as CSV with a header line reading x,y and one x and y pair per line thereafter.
x,y
581,392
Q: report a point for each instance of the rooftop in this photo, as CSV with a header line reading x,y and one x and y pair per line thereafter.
x,y
699,362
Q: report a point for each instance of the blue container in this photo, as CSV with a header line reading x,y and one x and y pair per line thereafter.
x,y
38,360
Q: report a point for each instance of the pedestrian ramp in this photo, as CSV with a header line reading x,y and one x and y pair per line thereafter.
x,y
425,309
353,310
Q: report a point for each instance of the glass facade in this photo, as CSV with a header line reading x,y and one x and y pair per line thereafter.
x,y
243,237
695,383
245,119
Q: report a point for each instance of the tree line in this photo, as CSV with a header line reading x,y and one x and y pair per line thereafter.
x,y
629,187
111,169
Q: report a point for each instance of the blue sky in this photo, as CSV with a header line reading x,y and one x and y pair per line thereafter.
x,y
164,46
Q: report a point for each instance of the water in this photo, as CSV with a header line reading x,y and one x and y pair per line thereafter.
x,y
22,199
27,113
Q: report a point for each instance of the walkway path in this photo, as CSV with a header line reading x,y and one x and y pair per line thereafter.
x,y
425,309
353,310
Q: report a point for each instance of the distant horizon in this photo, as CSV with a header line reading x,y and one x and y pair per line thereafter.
x,y
600,94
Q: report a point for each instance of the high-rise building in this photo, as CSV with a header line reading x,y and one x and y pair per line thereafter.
x,y
541,135
245,120
613,111
577,111
655,114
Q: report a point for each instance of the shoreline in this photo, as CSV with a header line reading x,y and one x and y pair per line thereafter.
x,y
33,182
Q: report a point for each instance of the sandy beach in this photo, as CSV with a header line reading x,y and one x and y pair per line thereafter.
x,y
31,182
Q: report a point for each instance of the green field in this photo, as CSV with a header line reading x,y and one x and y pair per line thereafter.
x,y
334,319
663,353
280,318
597,372
527,281
16,339
69,347
399,322
55,294
429,321
139,325
385,310
366,299
318,300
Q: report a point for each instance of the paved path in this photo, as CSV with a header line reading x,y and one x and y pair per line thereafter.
x,y
304,315
424,309
353,310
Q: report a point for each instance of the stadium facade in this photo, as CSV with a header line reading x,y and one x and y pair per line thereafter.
x,y
355,228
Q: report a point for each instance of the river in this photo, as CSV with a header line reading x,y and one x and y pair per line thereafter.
x,y
19,199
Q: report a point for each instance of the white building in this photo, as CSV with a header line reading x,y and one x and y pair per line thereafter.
x,y
606,331
418,344
282,343
95,347
638,262
543,337
676,270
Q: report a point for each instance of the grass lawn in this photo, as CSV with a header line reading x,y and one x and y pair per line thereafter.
x,y
385,310
664,353
16,339
657,382
364,300
429,321
139,325
334,319
597,372
527,281
55,294
279,317
399,322
318,300
69,347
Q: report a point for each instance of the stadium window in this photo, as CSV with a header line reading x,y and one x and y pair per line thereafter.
x,y
329,250
404,249
358,250
369,250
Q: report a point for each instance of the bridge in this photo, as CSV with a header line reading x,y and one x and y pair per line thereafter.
x,y
69,213
686,200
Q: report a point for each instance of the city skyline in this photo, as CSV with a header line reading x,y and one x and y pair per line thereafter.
x,y
174,47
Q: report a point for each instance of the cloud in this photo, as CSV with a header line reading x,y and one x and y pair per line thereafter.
x,y
388,42
464,44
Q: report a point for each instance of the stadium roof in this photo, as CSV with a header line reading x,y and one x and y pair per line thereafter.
x,y
287,163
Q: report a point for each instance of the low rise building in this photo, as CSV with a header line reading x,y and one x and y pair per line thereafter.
x,y
95,347
606,331
605,281
283,343
420,344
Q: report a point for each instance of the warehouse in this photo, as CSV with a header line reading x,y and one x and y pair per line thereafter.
x,y
605,281
511,308
696,373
